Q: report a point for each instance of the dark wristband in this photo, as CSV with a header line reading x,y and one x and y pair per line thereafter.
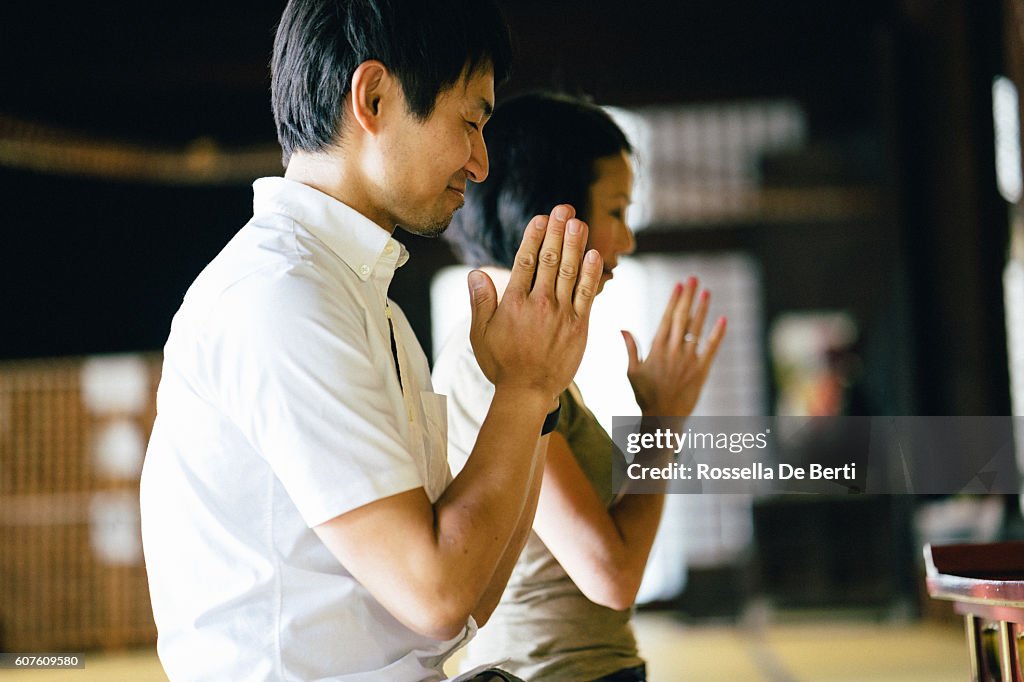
x,y
551,421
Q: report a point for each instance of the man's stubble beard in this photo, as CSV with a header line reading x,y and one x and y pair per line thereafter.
x,y
432,229
435,230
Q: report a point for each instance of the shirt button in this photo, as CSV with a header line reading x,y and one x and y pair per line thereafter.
x,y
389,249
364,270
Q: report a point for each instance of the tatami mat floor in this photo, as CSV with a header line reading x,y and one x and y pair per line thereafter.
x,y
819,650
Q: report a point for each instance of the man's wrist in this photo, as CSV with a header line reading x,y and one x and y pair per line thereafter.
x,y
527,399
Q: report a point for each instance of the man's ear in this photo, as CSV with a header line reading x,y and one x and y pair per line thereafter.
x,y
373,86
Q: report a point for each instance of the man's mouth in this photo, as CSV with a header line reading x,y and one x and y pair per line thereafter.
x,y
460,192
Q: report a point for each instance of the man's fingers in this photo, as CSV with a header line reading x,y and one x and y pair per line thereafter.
x,y
549,259
586,289
525,265
681,314
572,256
714,341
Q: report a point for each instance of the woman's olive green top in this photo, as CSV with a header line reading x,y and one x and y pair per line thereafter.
x,y
544,625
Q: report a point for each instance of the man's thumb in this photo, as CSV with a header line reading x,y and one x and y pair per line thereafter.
x,y
483,299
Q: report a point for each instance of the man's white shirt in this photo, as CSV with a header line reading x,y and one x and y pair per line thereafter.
x,y
280,407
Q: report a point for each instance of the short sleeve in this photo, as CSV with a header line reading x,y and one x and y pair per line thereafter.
x,y
292,365
568,416
593,449
458,375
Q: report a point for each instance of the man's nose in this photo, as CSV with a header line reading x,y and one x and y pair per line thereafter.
x,y
478,166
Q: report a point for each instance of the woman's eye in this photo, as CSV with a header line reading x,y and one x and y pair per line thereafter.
x,y
618,214
473,125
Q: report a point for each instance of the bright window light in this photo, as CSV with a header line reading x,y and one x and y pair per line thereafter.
x,y
1006,117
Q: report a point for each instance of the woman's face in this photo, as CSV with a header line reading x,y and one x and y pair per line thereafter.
x,y
610,195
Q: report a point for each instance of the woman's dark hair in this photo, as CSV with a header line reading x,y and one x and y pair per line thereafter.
x,y
542,149
427,44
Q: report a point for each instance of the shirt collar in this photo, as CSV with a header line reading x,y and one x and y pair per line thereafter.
x,y
362,244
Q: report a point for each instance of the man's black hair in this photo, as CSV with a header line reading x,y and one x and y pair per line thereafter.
x,y
426,44
542,148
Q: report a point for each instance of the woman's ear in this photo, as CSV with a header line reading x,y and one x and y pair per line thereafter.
x,y
372,87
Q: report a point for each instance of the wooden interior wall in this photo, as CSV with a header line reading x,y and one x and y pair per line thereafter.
x,y
954,220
